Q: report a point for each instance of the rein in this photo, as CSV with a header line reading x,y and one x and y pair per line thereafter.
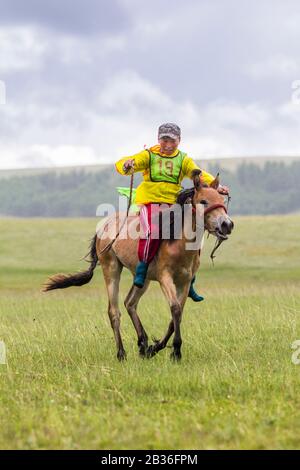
x,y
219,241
228,201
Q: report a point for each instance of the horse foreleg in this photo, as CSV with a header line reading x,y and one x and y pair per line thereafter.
x,y
131,303
112,271
169,289
161,344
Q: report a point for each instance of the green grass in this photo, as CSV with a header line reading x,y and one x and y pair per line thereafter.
x,y
236,386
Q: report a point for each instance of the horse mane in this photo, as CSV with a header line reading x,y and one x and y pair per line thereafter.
x,y
185,194
183,197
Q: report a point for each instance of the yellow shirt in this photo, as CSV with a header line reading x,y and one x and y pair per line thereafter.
x,y
151,191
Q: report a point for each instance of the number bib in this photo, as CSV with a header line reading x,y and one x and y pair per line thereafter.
x,y
165,169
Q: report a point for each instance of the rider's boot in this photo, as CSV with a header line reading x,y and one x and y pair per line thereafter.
x,y
140,274
193,294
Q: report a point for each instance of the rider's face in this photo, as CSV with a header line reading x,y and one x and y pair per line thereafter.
x,y
168,145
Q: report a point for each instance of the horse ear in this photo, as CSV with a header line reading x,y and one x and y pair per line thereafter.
x,y
196,179
215,183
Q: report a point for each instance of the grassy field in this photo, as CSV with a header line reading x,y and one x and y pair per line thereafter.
x,y
236,386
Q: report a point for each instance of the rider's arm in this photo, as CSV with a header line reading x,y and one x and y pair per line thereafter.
x,y
189,165
140,160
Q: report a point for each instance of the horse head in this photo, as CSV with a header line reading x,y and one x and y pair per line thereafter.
x,y
216,219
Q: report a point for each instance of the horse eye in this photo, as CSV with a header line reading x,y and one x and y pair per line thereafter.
x,y
204,202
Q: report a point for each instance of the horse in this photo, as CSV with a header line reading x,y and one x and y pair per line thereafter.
x,y
174,266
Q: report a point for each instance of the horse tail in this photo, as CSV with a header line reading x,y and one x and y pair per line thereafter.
x,y
61,281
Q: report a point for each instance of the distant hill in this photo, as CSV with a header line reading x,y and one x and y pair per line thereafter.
x,y
57,170
232,163
258,186
228,163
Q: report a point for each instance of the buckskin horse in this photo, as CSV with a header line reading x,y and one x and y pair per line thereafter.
x,y
173,267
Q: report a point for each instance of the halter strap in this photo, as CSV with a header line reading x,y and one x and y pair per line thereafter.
x,y
214,206
211,208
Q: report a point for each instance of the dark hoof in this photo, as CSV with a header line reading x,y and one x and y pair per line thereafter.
x,y
143,352
143,347
121,355
151,351
175,356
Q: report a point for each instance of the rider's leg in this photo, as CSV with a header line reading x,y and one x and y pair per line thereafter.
x,y
140,274
148,243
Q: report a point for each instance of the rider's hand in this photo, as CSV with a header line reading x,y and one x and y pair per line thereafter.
x,y
223,190
128,166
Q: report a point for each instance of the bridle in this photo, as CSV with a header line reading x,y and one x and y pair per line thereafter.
x,y
207,210
213,207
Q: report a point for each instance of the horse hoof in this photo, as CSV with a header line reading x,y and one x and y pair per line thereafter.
x,y
143,350
150,351
175,356
121,355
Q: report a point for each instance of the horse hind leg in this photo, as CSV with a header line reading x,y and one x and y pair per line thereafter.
x,y
112,269
177,310
131,303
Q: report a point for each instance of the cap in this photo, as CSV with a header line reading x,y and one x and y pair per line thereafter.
x,y
169,130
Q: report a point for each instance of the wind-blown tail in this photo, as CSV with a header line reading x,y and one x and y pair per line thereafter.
x,y
61,281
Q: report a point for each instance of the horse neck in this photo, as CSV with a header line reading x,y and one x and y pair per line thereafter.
x,y
188,228
188,234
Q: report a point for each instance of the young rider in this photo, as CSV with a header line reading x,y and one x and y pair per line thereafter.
x,y
164,166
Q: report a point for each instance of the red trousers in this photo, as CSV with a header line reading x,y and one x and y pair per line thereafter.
x,y
150,240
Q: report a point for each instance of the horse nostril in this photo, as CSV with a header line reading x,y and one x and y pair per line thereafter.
x,y
226,226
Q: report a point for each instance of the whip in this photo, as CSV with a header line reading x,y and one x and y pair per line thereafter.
x,y
110,244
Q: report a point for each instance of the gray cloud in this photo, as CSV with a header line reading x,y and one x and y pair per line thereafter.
x,y
67,16
100,76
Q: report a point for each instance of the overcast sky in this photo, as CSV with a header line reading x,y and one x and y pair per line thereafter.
x,y
89,81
